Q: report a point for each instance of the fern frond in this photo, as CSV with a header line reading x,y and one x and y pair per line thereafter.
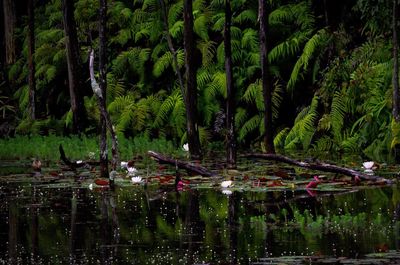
x,y
249,126
254,95
287,48
162,64
115,87
276,100
204,77
120,103
217,86
246,16
324,124
338,110
208,50
176,30
350,144
279,140
303,128
240,117
175,13
200,26
323,144
315,43
167,107
250,39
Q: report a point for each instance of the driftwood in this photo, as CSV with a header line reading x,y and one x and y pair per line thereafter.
x,y
321,166
181,164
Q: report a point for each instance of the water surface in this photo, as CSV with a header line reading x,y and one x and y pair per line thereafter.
x,y
65,222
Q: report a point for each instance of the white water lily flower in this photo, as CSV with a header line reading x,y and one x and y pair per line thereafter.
x,y
368,165
124,164
136,179
132,171
226,183
227,192
185,147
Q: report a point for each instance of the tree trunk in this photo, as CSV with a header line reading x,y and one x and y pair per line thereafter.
x,y
191,84
266,82
10,21
230,101
326,14
395,77
75,78
103,88
103,111
31,62
171,47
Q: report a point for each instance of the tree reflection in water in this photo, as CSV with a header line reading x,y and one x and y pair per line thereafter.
x,y
159,225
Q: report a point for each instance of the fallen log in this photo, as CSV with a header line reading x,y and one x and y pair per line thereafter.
x,y
321,166
181,164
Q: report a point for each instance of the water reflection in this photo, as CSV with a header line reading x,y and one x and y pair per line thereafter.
x,y
154,225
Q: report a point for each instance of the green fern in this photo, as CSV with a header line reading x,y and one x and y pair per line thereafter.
x,y
279,140
337,115
313,45
250,126
304,127
208,51
172,114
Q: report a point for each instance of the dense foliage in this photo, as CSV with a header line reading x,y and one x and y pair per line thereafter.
x,y
330,61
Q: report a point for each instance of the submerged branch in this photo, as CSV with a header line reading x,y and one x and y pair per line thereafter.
x,y
321,166
181,164
75,164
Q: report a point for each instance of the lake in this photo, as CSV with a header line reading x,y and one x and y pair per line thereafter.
x,y
59,218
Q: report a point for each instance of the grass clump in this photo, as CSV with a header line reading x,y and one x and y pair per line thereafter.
x,y
78,147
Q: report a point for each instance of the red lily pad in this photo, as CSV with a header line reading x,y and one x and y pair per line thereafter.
x,y
102,182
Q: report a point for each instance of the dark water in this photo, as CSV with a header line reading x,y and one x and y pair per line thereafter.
x,y
70,224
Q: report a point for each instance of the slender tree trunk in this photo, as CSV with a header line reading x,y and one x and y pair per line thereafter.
x,y
395,77
31,62
75,78
103,111
326,14
230,100
266,82
103,87
10,21
2,44
191,84
171,47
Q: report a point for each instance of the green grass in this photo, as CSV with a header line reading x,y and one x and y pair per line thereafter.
x,y
46,147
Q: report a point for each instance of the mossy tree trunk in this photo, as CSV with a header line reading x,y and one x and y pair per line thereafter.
x,y
265,76
103,87
230,101
191,84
